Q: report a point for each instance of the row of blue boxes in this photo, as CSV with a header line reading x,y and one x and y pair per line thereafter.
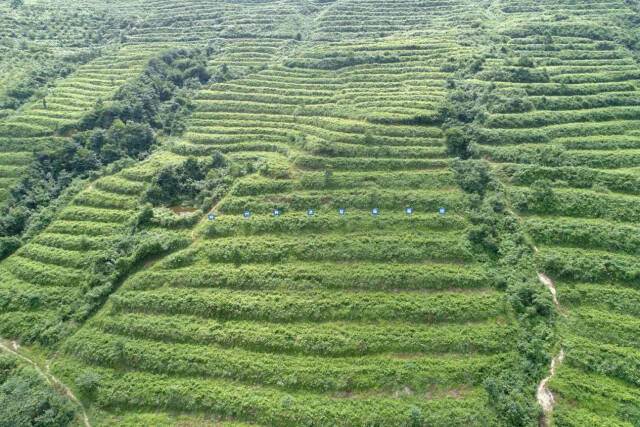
x,y
341,211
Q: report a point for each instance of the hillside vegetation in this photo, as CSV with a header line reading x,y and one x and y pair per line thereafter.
x,y
203,211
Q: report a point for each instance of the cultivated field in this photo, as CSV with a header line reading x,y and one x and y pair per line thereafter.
x,y
254,264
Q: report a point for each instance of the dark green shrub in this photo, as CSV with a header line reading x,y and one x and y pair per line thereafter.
x,y
472,175
543,197
457,142
88,382
507,396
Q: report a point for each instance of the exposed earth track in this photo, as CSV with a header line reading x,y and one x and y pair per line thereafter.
x,y
543,394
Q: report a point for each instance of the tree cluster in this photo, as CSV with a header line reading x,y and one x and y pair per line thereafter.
x,y
26,400
123,128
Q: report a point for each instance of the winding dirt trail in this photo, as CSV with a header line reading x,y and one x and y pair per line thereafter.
x,y
48,377
544,279
543,394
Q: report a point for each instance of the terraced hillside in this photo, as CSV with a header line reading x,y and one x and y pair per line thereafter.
x,y
570,160
44,41
259,265
38,125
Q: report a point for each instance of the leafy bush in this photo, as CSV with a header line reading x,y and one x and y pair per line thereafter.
x,y
121,140
196,182
506,394
472,176
88,382
156,97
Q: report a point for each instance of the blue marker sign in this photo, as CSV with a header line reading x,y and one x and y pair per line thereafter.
x,y
341,211
276,212
211,217
442,211
408,210
246,214
311,212
375,211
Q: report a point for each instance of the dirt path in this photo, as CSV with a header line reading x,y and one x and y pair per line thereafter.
x,y
544,279
48,377
543,394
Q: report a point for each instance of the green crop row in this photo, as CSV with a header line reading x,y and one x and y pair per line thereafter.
x,y
16,295
558,157
358,276
351,222
346,130
601,77
567,414
556,89
240,145
10,171
268,98
364,199
604,297
605,327
429,180
213,132
273,407
601,100
18,158
117,185
603,395
595,234
372,246
578,177
43,274
589,265
97,215
23,130
315,306
100,199
543,135
618,362
56,256
337,149
546,118
600,142
555,68
611,127
87,228
577,203
326,339
11,144
367,164
290,372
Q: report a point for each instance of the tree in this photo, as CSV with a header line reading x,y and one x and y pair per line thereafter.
x,y
88,381
543,197
458,141
472,176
